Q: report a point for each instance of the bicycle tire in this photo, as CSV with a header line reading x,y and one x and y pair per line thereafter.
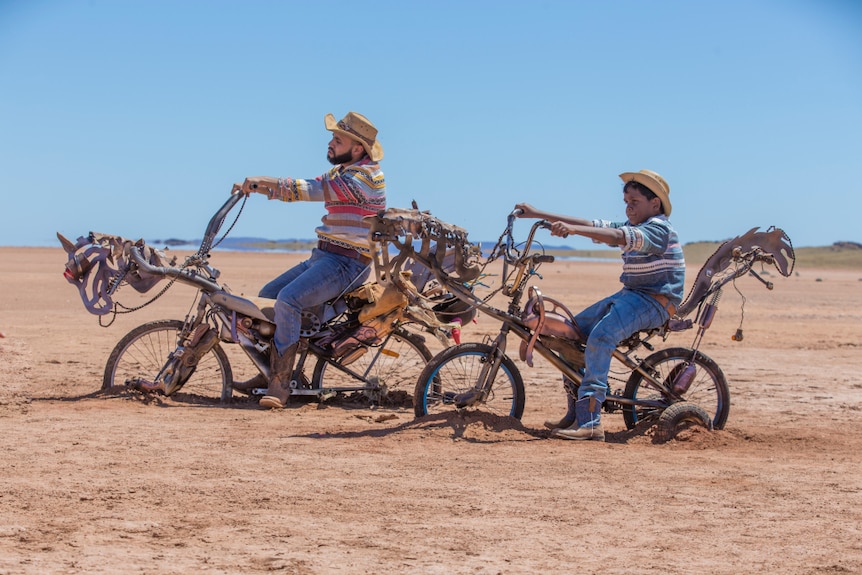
x,y
143,352
396,364
708,389
454,371
679,416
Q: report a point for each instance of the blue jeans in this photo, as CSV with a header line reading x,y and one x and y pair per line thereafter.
x,y
605,324
320,278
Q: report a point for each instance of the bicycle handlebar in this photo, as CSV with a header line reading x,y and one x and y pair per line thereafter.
x,y
217,220
185,275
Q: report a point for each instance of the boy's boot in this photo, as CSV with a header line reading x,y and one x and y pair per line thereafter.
x,y
571,416
281,370
569,419
589,415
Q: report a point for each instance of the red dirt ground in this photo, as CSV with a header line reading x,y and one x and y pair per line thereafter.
x,y
98,482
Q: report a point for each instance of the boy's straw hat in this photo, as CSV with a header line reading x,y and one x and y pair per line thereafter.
x,y
654,182
357,127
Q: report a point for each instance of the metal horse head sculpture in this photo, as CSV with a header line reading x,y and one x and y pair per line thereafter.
x,y
773,242
99,263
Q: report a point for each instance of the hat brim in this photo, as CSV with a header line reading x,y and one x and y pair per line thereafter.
x,y
374,152
653,185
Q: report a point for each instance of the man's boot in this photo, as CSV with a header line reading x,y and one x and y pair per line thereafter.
x,y
589,415
249,385
281,370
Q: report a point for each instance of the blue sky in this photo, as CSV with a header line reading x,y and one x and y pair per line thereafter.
x,y
134,117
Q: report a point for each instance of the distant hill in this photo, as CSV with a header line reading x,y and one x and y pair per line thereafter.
x,y
840,255
240,244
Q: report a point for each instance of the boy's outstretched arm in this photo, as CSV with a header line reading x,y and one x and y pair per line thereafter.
x,y
610,236
531,212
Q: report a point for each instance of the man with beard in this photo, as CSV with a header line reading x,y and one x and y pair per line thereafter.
x,y
352,189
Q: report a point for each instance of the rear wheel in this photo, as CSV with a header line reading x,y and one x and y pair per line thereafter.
x,y
141,359
707,389
680,416
453,378
395,365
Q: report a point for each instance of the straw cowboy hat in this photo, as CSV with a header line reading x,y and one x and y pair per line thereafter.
x,y
357,127
654,182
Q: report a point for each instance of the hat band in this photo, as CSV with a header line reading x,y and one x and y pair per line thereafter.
x,y
342,125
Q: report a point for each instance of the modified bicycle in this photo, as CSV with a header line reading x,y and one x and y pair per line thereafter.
x,y
366,341
669,387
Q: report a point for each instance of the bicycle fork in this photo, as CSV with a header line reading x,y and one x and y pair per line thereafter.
x,y
485,381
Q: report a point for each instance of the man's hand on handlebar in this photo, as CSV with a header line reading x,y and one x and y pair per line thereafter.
x,y
259,184
524,210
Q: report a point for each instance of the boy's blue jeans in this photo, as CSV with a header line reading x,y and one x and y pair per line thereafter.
x,y
605,324
320,278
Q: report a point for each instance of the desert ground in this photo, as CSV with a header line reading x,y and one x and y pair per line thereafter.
x,y
115,482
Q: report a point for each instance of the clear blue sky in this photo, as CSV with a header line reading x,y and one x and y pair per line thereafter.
x,y
134,117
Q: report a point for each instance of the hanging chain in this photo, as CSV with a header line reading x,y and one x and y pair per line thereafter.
x,y
235,220
117,305
119,278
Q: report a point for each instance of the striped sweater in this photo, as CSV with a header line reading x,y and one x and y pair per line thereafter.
x,y
653,261
349,192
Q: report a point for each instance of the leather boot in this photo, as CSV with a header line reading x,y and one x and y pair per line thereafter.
x,y
281,372
589,413
568,420
250,385
571,415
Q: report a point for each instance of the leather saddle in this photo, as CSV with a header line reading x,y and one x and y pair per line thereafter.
x,y
545,316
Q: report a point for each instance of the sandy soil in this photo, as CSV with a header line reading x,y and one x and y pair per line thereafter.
x,y
111,482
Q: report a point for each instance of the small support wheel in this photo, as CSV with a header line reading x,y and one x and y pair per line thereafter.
x,y
680,416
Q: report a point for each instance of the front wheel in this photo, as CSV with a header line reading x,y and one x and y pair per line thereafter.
x,y
707,388
457,378
141,359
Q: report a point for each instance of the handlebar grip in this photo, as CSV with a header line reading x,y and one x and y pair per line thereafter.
x,y
543,259
516,212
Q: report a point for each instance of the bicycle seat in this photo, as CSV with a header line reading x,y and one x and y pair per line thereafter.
x,y
547,316
266,305
257,307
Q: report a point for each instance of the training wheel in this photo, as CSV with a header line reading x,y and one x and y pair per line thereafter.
x,y
681,416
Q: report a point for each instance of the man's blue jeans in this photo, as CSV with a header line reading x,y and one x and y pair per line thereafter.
x,y
320,278
605,324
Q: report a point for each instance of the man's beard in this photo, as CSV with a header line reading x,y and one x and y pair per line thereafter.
x,y
342,159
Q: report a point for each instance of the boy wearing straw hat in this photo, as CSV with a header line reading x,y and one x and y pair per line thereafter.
x,y
653,286
352,189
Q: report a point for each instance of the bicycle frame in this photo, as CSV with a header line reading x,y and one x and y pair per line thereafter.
x,y
560,347
99,264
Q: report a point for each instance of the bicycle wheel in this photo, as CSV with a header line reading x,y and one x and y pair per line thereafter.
x,y
679,416
394,365
708,388
452,376
140,356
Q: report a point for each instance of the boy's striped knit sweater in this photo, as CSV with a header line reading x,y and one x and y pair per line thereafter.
x,y
653,261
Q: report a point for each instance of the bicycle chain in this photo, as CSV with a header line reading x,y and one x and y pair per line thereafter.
x,y
117,281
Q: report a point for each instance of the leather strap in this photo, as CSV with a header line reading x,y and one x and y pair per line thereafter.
x,y
342,251
665,303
